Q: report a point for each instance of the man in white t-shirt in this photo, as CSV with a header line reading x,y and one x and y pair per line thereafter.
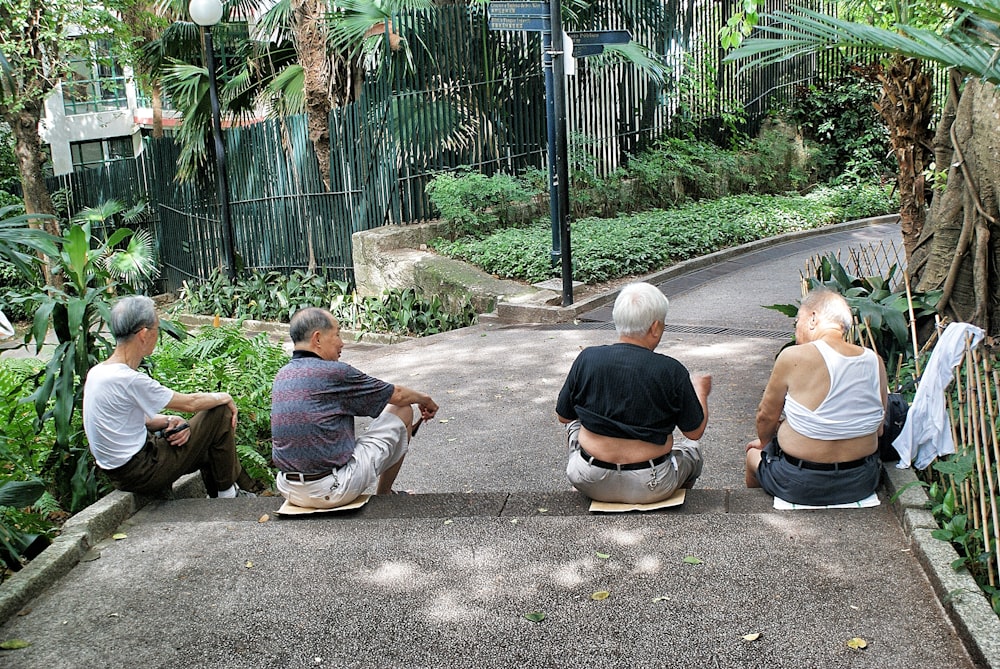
x,y
140,449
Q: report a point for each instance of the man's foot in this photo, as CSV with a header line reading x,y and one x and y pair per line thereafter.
x,y
240,492
400,492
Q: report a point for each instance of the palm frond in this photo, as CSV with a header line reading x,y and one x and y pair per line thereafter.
x,y
637,55
135,263
806,32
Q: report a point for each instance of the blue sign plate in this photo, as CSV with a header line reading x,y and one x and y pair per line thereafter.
x,y
588,37
518,8
524,23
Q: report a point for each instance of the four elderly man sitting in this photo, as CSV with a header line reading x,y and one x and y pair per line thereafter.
x,y
620,403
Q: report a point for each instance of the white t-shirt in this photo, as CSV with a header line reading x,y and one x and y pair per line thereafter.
x,y
117,400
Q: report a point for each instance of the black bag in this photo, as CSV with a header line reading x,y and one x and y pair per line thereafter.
x,y
895,416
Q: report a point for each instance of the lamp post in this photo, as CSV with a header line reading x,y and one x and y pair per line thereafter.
x,y
207,13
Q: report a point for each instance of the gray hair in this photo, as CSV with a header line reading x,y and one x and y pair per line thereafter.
x,y
130,315
830,306
309,320
638,306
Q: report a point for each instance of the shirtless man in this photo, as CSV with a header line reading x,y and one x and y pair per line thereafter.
x,y
833,396
620,404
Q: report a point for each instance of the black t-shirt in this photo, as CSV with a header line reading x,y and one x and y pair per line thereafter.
x,y
627,391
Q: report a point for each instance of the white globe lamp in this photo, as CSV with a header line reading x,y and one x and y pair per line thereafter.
x,y
205,12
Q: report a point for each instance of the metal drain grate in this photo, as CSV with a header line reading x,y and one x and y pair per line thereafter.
x,y
679,329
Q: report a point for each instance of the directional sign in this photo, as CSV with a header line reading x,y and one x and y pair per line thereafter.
x,y
519,8
592,42
525,23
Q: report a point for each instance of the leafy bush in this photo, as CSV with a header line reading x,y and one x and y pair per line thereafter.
x,y
223,359
24,453
267,296
858,201
16,286
605,249
837,116
475,203
400,312
273,296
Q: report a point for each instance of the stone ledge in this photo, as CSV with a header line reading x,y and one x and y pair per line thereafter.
x,y
957,591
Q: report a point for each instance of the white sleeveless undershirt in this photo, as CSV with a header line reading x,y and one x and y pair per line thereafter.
x,y
852,408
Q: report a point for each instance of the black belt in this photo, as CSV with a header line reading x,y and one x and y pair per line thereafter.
x,y
645,464
305,478
823,466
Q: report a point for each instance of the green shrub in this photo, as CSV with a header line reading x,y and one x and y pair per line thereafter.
x,y
605,249
224,360
15,300
272,296
837,117
475,203
266,296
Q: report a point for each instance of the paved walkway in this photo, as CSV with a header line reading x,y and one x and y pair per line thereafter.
x,y
493,531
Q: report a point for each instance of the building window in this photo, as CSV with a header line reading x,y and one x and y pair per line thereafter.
x,y
96,154
97,82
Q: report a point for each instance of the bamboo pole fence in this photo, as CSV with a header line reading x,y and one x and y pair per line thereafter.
x,y
973,405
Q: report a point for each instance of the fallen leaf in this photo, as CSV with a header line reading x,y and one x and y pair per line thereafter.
x,y
249,564
857,643
855,607
603,556
114,615
119,536
751,637
513,521
448,522
453,439
541,510
599,595
535,616
264,518
14,644
690,559
662,598
443,420
91,555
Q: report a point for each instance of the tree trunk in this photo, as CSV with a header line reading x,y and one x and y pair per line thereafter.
x,y
156,100
308,18
957,252
331,80
905,105
28,149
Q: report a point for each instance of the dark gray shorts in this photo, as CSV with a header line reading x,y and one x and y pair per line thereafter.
x,y
798,485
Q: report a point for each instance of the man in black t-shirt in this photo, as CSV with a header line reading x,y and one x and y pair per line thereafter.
x,y
621,403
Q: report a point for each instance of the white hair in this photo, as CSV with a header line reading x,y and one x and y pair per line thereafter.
x,y
638,306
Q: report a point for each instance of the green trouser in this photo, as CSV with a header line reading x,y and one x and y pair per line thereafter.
x,y
211,448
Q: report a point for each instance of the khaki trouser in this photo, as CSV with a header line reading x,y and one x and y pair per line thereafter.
x,y
211,448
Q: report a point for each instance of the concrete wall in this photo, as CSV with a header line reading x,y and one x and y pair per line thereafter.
x,y
396,256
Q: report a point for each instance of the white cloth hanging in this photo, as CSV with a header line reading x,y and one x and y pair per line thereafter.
x,y
6,329
926,434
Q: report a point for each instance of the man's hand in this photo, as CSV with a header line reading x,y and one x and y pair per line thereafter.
x,y
177,432
428,408
702,384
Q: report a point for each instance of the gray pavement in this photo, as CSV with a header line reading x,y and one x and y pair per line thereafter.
x,y
493,531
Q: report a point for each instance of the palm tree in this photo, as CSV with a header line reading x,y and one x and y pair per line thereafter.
x,y
937,241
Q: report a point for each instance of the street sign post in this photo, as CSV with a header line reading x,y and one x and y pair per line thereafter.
x,y
544,16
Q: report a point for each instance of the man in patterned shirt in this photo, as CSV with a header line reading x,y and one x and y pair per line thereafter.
x,y
314,401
